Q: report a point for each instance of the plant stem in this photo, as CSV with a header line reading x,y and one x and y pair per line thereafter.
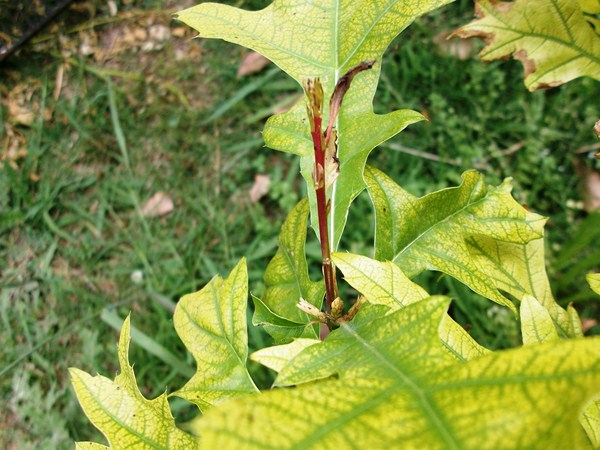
x,y
314,91
331,292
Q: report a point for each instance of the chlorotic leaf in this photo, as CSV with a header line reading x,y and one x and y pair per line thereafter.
x,y
323,39
431,233
594,281
278,356
576,324
590,6
383,283
590,420
519,269
551,38
287,281
458,342
536,323
212,325
122,414
281,329
90,446
376,390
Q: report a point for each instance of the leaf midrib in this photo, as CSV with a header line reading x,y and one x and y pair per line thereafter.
x,y
445,219
420,394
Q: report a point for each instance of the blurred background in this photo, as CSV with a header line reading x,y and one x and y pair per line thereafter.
x,y
132,170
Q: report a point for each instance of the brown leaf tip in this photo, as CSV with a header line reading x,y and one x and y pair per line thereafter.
x,y
315,96
342,86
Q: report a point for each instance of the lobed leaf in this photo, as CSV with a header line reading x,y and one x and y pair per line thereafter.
x,y
323,39
122,414
281,329
434,232
376,390
212,325
278,356
536,323
383,283
590,420
90,446
594,281
520,270
287,281
552,38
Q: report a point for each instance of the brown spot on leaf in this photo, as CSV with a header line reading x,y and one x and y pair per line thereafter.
x,y
546,85
499,5
342,86
528,64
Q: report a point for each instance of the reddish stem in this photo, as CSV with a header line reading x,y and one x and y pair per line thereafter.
x,y
331,292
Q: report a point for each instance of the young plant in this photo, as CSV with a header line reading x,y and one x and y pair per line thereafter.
x,y
395,369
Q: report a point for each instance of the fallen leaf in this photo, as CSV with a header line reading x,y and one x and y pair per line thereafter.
x,y
461,49
253,62
586,324
159,33
21,106
591,190
260,188
112,8
159,204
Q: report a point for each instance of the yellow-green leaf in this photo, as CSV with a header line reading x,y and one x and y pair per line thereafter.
x,y
287,281
383,283
594,281
590,420
280,328
212,325
377,390
278,356
519,269
590,6
122,414
536,323
458,342
576,324
550,37
325,39
90,446
432,232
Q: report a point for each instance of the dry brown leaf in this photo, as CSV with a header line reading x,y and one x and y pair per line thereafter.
x,y
253,62
13,147
586,324
260,188
159,204
461,49
21,106
591,190
112,8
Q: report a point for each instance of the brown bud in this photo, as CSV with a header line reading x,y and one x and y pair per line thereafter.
x,y
314,105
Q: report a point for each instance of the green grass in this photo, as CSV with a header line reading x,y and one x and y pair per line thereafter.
x,y
70,242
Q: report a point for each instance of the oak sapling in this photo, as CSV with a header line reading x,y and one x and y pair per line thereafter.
x,y
396,370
